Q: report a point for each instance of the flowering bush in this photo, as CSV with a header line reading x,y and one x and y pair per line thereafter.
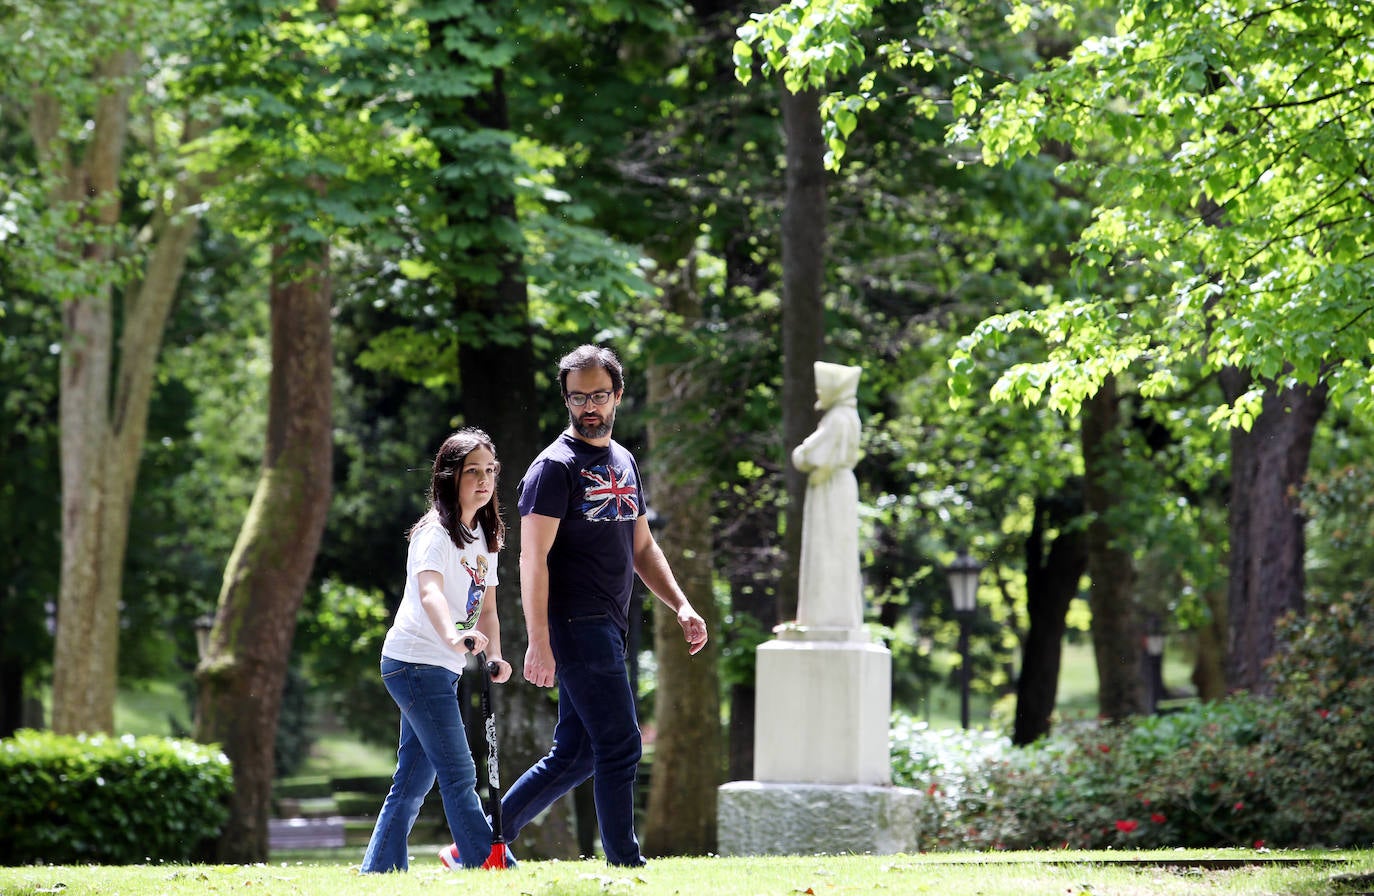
x,y
1291,770
1319,744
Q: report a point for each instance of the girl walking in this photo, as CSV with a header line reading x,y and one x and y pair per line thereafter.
x,y
449,598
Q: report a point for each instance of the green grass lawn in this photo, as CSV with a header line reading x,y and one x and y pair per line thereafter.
x,y
1213,873
338,752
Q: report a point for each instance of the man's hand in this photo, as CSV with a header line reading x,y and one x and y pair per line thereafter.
x,y
539,664
693,628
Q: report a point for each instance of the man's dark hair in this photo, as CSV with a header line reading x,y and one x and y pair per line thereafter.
x,y
585,357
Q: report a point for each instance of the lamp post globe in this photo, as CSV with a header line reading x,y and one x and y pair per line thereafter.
x,y
963,582
963,589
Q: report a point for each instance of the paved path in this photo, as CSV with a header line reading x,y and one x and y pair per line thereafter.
x,y
305,833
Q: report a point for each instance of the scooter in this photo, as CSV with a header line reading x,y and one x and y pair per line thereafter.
x,y
499,857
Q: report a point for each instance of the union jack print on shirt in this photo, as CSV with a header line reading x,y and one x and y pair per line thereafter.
x,y
609,495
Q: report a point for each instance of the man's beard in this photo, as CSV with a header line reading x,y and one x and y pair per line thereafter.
x,y
600,431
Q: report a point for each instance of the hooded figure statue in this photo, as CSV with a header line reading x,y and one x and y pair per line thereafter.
x,y
830,591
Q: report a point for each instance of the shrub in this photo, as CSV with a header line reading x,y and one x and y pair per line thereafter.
x,y
1291,770
1319,764
110,800
955,769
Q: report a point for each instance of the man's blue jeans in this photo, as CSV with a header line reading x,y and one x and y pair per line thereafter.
x,y
597,735
433,745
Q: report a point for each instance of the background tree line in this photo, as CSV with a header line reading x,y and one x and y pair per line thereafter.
x,y
256,259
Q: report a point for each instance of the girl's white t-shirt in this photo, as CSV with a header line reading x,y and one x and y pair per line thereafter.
x,y
468,572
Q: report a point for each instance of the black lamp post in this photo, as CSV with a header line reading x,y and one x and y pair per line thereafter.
x,y
963,588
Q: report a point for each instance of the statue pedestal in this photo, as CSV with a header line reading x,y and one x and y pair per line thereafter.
x,y
822,710
821,754
754,818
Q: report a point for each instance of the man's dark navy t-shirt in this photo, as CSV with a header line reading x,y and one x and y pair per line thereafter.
x,y
595,491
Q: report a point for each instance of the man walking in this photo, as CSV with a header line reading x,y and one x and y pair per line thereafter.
x,y
584,535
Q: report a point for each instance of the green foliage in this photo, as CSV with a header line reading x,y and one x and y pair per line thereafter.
x,y
201,455
29,475
295,724
1253,239
106,800
340,636
1213,145
1338,502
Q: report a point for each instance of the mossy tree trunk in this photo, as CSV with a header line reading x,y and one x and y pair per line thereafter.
x,y
687,755
242,677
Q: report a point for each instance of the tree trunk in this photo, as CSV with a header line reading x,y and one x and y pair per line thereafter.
x,y
510,414
681,817
244,672
1052,579
104,393
1116,626
1268,464
85,660
803,315
752,577
498,392
1209,663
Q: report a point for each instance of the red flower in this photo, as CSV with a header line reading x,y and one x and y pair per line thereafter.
x,y
1104,748
1323,712
1127,826
1158,818
1259,844
1238,806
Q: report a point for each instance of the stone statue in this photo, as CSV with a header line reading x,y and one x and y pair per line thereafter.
x,y
830,594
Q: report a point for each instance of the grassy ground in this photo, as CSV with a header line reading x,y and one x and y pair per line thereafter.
x,y
338,753
1213,873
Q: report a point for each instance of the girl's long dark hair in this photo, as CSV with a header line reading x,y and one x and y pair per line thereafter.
x,y
443,491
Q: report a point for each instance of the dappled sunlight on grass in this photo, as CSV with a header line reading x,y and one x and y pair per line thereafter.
x,y
1170,873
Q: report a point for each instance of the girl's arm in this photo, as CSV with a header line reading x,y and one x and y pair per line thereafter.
x,y
436,608
489,624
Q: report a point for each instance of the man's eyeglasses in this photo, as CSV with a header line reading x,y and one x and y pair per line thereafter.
x,y
598,398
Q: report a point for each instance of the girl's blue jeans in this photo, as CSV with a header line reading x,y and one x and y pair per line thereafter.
x,y
433,745
597,736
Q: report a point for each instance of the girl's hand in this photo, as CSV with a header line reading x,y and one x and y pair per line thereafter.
x,y
468,642
503,670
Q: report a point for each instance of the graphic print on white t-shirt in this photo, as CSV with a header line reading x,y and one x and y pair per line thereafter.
x,y
476,589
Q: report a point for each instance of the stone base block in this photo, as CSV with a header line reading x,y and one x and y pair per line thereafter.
x,y
822,713
767,819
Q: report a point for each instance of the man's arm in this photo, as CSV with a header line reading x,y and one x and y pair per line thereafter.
x,y
536,539
657,576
